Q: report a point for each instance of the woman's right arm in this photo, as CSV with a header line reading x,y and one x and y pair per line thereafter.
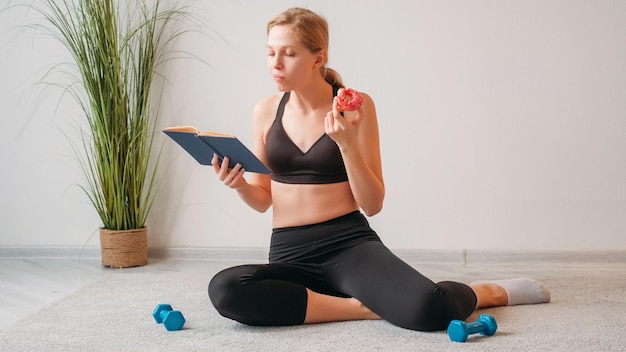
x,y
257,192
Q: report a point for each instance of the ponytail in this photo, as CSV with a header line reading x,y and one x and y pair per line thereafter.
x,y
331,76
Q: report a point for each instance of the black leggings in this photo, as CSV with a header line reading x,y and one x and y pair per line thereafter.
x,y
341,257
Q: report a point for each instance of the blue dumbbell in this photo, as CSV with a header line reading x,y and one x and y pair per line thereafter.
x,y
459,330
171,319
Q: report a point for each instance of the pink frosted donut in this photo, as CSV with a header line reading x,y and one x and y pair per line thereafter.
x,y
348,99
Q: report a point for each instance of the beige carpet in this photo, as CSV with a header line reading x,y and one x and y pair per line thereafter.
x,y
588,313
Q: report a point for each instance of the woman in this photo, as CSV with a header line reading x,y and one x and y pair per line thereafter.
x,y
326,263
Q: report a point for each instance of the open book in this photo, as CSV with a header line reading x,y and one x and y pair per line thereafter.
x,y
202,146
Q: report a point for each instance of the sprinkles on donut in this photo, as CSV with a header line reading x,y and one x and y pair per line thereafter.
x,y
348,99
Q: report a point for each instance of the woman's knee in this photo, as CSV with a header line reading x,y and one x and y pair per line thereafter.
x,y
460,299
225,289
258,295
434,311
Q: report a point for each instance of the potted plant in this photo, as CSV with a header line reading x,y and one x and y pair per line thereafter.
x,y
116,47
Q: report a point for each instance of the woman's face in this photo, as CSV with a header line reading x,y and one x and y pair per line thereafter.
x,y
290,63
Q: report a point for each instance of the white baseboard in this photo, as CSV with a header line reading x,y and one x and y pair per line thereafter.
x,y
461,257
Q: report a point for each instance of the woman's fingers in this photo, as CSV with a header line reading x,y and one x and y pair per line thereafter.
x,y
230,177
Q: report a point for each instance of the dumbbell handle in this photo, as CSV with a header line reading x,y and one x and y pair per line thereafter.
x,y
475,327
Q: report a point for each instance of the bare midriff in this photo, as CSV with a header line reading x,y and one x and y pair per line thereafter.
x,y
304,204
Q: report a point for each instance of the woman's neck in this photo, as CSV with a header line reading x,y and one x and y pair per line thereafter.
x,y
312,96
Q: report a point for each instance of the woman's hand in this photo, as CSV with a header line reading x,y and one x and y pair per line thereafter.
x,y
232,178
254,193
343,129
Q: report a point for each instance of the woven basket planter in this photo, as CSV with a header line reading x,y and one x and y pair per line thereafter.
x,y
124,248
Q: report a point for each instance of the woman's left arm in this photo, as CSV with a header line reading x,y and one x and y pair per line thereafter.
x,y
356,134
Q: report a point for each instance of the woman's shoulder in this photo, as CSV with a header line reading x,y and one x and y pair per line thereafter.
x,y
265,109
268,103
366,98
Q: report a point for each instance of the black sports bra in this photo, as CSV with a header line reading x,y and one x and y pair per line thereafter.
x,y
321,164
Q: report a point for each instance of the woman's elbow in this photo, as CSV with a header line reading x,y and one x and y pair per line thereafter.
x,y
373,208
262,208
369,213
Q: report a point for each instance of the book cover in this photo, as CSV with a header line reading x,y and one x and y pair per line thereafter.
x,y
202,146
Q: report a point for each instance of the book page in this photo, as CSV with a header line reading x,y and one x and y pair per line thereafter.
x,y
189,129
215,134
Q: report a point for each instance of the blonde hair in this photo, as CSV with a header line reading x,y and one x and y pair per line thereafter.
x,y
312,30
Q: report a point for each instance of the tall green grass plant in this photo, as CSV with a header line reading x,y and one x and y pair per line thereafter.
x,y
117,47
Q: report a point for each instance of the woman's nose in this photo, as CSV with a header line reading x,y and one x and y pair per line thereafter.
x,y
276,61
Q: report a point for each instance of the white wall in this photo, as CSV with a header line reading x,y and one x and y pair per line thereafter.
x,y
503,125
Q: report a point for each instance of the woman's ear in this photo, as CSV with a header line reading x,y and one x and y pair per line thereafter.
x,y
321,58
